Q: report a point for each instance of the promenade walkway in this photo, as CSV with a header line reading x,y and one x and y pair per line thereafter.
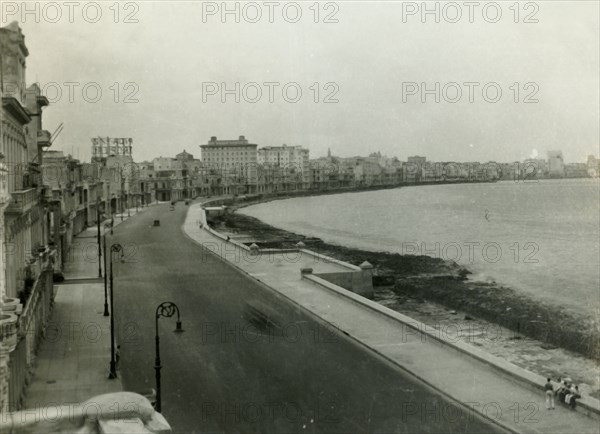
x,y
475,384
72,364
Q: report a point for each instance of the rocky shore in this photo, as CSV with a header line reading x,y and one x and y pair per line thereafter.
x,y
427,279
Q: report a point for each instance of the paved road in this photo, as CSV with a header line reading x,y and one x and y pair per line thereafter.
x,y
250,361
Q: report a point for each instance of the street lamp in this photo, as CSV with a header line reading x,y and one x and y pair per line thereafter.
x,y
167,310
106,226
99,246
115,248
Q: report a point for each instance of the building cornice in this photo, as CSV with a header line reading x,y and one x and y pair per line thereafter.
x,y
42,101
14,107
227,145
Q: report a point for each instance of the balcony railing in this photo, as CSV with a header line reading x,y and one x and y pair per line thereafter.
x,y
22,200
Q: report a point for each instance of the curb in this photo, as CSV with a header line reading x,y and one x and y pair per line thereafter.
x,y
357,341
535,382
586,405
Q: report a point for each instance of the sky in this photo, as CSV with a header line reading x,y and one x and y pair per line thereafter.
x,y
368,74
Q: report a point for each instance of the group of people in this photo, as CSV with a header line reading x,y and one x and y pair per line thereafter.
x,y
567,393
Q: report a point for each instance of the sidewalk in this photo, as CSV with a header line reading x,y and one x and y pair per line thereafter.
x,y
72,364
467,380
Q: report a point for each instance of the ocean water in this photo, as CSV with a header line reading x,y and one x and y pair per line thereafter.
x,y
541,238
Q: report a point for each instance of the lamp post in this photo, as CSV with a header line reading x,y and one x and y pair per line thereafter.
x,y
115,248
106,226
122,188
99,246
167,310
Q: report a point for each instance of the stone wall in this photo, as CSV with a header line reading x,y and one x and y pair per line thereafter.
x,y
112,413
359,282
31,326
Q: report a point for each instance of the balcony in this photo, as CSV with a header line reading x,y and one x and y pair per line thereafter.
x,y
22,201
43,138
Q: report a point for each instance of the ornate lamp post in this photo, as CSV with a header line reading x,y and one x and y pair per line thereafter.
x,y
106,227
167,310
115,248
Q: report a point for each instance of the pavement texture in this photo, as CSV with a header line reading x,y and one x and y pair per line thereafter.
x,y
72,363
467,380
263,351
250,361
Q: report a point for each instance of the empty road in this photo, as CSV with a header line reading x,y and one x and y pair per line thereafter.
x,y
250,361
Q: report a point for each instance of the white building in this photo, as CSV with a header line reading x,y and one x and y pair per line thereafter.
x,y
228,153
235,161
166,163
556,164
292,158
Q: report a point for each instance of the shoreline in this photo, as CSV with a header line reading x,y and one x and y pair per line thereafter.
x,y
437,293
435,280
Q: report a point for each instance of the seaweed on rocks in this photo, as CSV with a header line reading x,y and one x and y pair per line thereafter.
x,y
445,282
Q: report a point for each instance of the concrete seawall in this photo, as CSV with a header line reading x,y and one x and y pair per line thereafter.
x,y
493,369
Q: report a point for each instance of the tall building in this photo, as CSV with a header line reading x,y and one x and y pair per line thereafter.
x,y
293,159
236,163
25,255
556,164
22,139
228,153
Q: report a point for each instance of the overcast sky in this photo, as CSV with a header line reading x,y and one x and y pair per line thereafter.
x,y
371,54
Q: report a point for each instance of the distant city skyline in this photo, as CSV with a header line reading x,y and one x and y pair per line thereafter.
x,y
331,152
167,73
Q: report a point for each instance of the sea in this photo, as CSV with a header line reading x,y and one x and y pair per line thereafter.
x,y
540,238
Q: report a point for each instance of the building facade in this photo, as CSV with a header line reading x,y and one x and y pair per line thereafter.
x,y
231,165
25,290
293,159
103,147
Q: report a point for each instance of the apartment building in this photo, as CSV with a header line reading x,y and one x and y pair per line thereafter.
x,y
25,282
233,164
294,160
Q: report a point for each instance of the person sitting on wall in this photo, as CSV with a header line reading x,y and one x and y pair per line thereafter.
x,y
572,397
562,391
567,392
